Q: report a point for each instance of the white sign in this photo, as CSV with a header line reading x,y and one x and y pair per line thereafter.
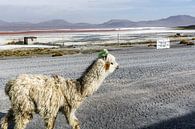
x,y
163,43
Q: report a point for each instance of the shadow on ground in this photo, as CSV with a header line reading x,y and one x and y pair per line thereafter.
x,y
184,122
2,115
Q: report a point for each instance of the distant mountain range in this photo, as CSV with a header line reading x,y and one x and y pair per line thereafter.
x,y
172,21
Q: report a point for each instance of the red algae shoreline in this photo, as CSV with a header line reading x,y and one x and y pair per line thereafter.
x,y
57,31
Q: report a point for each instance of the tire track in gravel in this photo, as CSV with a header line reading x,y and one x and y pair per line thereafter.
x,y
159,106
142,110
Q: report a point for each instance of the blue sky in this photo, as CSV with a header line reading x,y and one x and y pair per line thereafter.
x,y
93,11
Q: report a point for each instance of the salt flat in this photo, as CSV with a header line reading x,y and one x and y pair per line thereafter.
x,y
122,35
153,89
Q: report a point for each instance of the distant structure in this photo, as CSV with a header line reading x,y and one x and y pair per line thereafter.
x,y
163,43
26,39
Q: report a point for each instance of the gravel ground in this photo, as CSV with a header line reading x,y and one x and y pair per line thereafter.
x,y
153,89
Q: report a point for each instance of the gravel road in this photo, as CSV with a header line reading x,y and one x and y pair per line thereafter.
x,y
153,89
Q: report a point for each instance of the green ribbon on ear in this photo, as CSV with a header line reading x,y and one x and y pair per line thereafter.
x,y
103,53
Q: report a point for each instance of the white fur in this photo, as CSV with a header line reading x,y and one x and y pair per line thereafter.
x,y
47,95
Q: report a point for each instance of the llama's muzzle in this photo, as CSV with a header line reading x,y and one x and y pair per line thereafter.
x,y
117,67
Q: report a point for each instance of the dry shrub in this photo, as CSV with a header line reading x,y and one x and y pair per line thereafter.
x,y
16,43
190,43
152,45
57,54
186,42
44,51
36,52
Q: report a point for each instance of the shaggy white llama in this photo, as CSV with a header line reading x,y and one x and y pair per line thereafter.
x,y
47,95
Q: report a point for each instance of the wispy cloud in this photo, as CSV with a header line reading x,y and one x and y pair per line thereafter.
x,y
92,10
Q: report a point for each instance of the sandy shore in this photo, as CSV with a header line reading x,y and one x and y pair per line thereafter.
x,y
153,89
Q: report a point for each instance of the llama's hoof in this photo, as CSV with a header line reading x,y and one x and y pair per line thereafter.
x,y
77,127
4,123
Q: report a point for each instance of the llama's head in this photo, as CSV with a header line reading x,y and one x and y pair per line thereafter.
x,y
108,61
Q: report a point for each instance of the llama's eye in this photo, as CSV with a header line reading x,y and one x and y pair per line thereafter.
x,y
111,63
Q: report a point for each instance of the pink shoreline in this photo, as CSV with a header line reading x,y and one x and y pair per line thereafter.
x,y
57,31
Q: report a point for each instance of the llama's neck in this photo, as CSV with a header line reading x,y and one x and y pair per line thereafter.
x,y
92,78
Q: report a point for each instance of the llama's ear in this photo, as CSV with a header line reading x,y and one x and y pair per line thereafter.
x,y
107,66
105,57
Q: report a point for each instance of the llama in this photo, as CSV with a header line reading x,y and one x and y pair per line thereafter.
x,y
47,95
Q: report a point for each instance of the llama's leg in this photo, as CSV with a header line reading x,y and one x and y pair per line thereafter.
x,y
50,122
72,120
7,120
21,120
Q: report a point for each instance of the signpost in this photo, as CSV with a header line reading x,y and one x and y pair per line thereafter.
x,y
163,43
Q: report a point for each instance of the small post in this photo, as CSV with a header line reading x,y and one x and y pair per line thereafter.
x,y
118,38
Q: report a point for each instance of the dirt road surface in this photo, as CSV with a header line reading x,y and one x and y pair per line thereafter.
x,y
153,89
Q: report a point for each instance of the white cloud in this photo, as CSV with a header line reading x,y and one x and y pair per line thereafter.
x,y
66,3
87,10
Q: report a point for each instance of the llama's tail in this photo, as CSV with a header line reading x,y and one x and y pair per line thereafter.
x,y
8,86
